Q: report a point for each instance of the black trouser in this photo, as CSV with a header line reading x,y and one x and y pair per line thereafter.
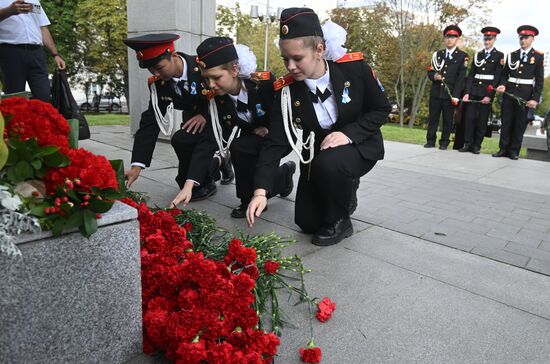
x,y
184,143
25,63
324,197
476,118
514,123
244,156
437,107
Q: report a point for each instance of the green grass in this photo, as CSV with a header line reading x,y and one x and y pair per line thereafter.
x,y
107,119
418,136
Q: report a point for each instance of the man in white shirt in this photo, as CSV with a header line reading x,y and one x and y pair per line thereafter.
x,y
23,34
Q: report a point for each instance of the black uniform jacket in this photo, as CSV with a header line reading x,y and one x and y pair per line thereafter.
x,y
260,102
192,102
453,74
359,119
490,66
532,68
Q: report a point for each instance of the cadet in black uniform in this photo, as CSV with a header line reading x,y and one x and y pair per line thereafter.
x,y
448,67
484,72
340,106
523,76
240,107
176,84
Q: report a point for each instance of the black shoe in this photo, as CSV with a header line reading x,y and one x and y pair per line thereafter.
x,y
465,148
442,147
334,234
353,202
513,156
203,192
239,212
291,168
227,171
500,153
476,150
429,145
214,169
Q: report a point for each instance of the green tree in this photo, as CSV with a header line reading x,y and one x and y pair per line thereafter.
x,y
102,25
544,105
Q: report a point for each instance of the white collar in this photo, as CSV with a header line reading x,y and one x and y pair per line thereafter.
x,y
526,51
450,51
242,96
183,76
320,83
490,50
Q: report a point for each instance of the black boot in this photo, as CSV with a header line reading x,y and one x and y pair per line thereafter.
x,y
333,234
227,170
500,153
291,168
465,148
203,192
476,150
353,202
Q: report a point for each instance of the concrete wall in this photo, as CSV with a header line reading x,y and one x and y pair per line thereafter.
x,y
193,20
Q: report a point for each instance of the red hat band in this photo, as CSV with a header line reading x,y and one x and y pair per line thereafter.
x,y
527,32
452,32
153,52
490,33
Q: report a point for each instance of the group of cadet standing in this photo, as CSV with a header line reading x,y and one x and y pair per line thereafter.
x,y
519,76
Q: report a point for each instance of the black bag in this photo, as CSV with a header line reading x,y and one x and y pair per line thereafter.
x,y
63,101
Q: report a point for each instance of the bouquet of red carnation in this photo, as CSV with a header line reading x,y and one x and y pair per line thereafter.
x,y
34,118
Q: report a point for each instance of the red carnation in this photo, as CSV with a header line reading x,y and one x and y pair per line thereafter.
x,y
188,226
490,88
311,354
271,267
454,101
326,308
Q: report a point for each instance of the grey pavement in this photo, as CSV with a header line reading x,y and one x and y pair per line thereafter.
x,y
444,266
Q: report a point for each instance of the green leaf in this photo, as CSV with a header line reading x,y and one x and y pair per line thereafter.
x,y
50,149
100,206
36,164
73,134
57,160
90,224
38,210
75,220
118,167
23,170
57,227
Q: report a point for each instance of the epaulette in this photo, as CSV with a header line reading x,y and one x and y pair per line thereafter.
x,y
261,76
539,52
283,81
350,57
210,94
152,80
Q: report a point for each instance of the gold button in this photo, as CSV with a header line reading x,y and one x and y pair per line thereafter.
x,y
521,65
347,84
297,103
442,78
196,69
483,69
229,117
519,72
298,120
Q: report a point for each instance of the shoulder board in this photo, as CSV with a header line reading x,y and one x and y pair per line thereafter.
x,y
261,76
283,81
539,52
152,80
350,57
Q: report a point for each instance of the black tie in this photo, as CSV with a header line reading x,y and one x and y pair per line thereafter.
x,y
487,54
179,87
320,95
242,107
523,56
448,55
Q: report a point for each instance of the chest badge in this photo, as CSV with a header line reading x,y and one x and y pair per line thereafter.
x,y
345,94
532,60
259,110
193,90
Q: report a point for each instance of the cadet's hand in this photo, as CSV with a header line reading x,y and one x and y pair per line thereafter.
x,y
20,7
131,175
466,98
184,196
256,206
261,131
500,89
532,104
59,62
334,139
195,124
486,100
437,76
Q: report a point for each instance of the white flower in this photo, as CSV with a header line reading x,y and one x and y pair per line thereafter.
x,y
9,201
